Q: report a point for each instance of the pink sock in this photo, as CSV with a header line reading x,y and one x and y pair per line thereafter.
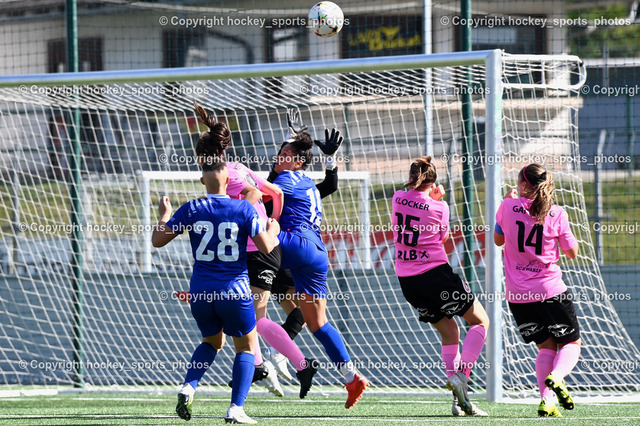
x,y
451,358
544,365
277,337
256,353
471,348
566,359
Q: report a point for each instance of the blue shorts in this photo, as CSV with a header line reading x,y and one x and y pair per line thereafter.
x,y
308,263
230,311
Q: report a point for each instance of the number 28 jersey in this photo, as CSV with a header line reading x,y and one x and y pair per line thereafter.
x,y
219,228
531,250
420,225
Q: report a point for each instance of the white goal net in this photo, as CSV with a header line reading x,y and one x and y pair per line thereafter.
x,y
109,317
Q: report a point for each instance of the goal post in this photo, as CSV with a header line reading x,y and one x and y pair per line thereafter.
x,y
137,133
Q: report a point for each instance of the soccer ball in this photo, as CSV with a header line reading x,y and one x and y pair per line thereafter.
x,y
326,19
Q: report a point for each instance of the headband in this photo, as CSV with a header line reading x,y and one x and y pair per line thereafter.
x,y
524,175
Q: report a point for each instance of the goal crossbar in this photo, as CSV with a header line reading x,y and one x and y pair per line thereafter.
x,y
384,63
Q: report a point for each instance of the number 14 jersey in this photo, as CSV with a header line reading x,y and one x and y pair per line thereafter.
x,y
531,250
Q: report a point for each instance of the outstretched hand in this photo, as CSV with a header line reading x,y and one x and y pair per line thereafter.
x,y
293,119
332,142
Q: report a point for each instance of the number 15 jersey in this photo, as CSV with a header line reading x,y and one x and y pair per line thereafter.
x,y
420,225
531,250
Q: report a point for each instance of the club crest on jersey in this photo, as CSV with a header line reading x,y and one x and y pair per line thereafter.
x,y
530,328
466,287
532,266
267,276
559,330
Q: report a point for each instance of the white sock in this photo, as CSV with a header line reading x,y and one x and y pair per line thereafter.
x,y
348,370
187,389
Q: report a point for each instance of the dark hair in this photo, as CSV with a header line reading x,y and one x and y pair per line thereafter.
x,y
302,145
539,188
216,140
421,173
212,164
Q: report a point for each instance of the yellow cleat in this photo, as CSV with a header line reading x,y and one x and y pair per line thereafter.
x,y
546,409
561,391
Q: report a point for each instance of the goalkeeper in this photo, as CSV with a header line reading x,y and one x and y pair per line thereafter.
x,y
283,288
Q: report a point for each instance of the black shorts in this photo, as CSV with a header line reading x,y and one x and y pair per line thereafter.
x,y
437,293
281,284
554,317
262,267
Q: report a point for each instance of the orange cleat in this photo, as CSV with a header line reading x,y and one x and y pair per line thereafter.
x,y
355,388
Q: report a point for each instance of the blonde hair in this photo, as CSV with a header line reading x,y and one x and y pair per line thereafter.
x,y
539,188
421,173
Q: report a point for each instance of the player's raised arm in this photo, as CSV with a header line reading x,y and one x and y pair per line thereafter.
x,y
162,234
332,142
274,194
266,241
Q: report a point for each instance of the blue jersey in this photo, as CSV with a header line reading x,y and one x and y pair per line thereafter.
x,y
218,230
302,210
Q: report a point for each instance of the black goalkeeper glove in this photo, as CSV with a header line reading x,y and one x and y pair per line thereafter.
x,y
332,143
293,119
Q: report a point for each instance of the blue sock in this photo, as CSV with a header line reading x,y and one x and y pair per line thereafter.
x,y
333,344
201,360
242,375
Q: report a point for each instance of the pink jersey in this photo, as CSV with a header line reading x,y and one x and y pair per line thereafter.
x,y
420,226
239,177
531,251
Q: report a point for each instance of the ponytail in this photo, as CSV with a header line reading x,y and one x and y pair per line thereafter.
x,y
540,189
214,142
421,173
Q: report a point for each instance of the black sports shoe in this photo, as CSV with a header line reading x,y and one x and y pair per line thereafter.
x,y
259,373
306,376
183,409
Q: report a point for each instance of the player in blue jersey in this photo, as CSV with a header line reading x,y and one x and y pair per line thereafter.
x,y
262,268
220,298
304,253
282,289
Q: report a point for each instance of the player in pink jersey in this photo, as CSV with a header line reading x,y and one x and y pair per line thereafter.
x,y
428,283
262,268
531,228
